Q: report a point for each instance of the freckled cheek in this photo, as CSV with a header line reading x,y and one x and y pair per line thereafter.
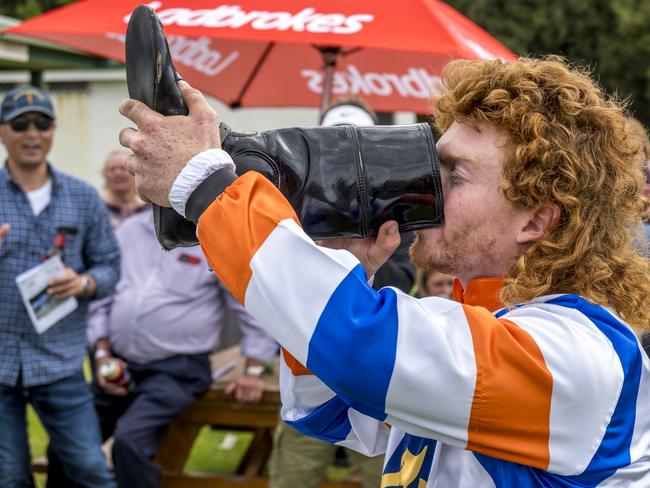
x,y
455,205
466,212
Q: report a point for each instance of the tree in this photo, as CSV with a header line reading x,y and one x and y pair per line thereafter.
x,y
23,9
610,36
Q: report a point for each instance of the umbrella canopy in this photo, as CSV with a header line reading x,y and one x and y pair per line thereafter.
x,y
277,53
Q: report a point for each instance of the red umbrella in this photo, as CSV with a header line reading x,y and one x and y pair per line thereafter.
x,y
279,53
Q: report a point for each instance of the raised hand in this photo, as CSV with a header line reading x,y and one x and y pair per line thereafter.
x,y
162,146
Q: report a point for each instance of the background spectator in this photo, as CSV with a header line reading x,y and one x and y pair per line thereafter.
x,y
431,283
161,324
398,271
45,369
119,188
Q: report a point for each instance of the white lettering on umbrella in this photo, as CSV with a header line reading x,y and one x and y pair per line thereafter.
x,y
116,37
194,53
416,82
233,17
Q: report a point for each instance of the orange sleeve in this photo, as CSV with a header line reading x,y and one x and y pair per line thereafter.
x,y
236,224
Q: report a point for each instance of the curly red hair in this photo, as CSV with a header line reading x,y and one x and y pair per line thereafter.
x,y
572,147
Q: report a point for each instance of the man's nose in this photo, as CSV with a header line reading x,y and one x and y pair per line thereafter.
x,y
31,129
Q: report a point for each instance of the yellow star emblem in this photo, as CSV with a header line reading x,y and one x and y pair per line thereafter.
x,y
409,470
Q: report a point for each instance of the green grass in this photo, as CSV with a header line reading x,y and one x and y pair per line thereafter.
x,y
37,440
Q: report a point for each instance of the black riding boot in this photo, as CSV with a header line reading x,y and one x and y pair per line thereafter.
x,y
342,181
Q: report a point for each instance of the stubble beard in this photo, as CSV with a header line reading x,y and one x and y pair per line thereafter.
x,y
437,255
455,254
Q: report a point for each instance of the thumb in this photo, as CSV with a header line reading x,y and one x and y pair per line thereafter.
x,y
193,97
230,388
388,239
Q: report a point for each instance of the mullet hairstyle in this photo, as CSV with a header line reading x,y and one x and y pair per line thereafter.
x,y
570,146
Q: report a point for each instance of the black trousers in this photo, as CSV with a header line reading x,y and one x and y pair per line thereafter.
x,y
138,421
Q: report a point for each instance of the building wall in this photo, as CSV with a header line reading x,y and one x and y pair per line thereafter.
x,y
88,123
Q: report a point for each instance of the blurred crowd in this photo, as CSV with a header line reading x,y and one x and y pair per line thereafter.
x,y
146,320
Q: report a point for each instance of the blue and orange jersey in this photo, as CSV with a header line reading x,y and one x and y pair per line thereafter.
x,y
552,393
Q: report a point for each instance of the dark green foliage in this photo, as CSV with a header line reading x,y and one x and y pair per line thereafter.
x,y
610,36
23,9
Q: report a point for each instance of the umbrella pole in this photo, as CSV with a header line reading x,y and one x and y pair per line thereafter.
x,y
329,55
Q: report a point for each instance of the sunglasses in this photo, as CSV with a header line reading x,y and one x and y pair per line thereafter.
x,y
21,123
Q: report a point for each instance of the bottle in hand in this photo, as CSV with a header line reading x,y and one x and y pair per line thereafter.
x,y
113,372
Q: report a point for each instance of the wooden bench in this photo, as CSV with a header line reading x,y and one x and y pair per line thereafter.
x,y
216,409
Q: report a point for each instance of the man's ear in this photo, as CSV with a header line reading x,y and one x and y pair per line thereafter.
x,y
540,220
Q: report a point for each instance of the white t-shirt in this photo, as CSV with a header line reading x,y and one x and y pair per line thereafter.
x,y
40,198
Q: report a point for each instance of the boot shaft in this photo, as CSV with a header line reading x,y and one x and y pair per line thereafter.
x,y
346,181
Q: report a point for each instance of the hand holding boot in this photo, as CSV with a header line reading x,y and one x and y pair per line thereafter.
x,y
372,252
162,145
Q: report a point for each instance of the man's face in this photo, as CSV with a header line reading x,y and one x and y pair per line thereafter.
x,y
478,237
117,178
27,149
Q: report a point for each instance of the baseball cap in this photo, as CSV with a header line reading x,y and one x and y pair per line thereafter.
x,y
347,114
25,98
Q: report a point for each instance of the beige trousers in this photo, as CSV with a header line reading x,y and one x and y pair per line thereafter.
x,y
298,461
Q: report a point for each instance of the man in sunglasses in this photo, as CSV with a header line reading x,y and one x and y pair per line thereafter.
x,y
44,369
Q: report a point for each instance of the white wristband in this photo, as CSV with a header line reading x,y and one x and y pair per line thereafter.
x,y
194,173
101,353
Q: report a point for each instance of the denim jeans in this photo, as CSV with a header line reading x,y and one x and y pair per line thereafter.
x,y
66,409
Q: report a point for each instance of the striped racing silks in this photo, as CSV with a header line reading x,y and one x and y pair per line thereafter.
x,y
551,393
